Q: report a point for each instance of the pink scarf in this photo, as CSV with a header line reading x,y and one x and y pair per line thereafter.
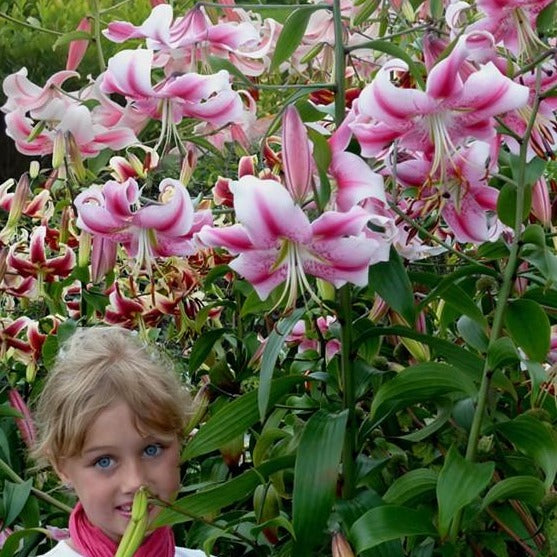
x,y
90,541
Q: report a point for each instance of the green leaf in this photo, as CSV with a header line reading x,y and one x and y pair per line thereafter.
x,y
528,325
13,544
291,35
322,157
437,423
389,522
459,300
203,347
218,64
209,501
502,352
459,483
533,171
412,486
423,382
522,488
234,418
545,22
396,51
71,36
473,333
542,259
534,234
536,439
315,479
506,204
271,352
14,499
390,280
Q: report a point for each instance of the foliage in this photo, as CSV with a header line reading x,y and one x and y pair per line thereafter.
x,y
355,271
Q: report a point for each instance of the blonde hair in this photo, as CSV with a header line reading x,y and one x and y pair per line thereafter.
x,y
95,367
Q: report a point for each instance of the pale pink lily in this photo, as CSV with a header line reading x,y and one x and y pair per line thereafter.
x,y
192,95
447,114
34,261
23,94
541,203
75,120
157,230
463,198
276,242
512,22
182,43
543,138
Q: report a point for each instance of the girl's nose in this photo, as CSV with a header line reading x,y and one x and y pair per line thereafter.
x,y
133,476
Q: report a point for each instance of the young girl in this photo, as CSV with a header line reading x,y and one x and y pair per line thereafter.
x,y
110,419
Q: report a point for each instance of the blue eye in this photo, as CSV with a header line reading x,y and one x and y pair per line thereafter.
x,y
152,450
104,462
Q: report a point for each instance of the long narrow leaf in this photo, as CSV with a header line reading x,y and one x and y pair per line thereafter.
x,y
234,419
315,477
389,522
273,347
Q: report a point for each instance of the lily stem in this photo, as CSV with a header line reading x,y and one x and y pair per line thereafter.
x,y
13,476
504,295
97,34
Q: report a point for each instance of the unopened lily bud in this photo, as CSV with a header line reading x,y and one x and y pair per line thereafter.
x,y
188,166
25,424
75,157
77,48
378,310
266,505
541,204
325,289
340,547
3,262
137,526
30,372
65,220
233,451
58,149
16,208
200,403
84,251
418,350
408,11
34,169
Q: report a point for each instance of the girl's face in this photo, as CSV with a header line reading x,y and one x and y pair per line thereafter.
x,y
115,461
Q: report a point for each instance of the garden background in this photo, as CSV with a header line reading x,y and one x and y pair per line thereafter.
x,y
337,218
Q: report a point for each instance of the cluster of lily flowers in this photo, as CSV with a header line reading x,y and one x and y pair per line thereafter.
x,y
424,152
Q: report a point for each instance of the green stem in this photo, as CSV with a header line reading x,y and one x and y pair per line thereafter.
x,y
97,34
348,392
502,300
345,293
5,468
340,65
7,17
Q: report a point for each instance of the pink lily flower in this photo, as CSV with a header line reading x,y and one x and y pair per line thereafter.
x,y
189,39
305,341
206,97
156,230
512,22
36,263
447,114
22,94
11,341
276,242
463,198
